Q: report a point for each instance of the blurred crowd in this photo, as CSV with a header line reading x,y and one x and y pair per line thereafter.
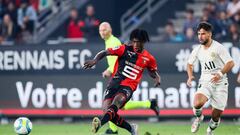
x,y
18,20
85,26
224,15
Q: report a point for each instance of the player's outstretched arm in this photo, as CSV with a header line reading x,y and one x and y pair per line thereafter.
x,y
90,63
190,74
154,74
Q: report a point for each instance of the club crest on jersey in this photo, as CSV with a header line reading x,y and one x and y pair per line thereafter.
x,y
145,60
213,55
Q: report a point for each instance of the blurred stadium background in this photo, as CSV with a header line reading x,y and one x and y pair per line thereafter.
x,y
45,42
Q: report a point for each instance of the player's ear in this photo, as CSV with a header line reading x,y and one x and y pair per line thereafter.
x,y
210,34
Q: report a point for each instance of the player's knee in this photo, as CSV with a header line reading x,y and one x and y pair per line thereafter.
x,y
199,100
198,105
119,100
119,103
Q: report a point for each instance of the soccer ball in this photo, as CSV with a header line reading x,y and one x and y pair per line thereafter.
x,y
22,126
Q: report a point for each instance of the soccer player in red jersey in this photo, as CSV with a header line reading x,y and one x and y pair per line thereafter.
x,y
132,60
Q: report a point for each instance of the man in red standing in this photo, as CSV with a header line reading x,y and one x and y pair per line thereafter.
x,y
74,28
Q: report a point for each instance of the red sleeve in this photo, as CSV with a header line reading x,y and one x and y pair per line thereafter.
x,y
81,23
118,50
152,64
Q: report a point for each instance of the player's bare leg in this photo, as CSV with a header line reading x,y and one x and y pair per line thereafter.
x,y
199,101
214,122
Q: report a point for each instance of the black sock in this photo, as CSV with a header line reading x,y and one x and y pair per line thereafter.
x,y
119,121
110,114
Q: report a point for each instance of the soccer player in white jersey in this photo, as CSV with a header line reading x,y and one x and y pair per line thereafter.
x,y
213,84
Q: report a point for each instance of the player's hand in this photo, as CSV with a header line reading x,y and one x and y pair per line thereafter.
x,y
216,77
157,82
189,81
89,64
106,74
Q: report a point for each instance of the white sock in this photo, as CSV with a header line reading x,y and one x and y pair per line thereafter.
x,y
197,112
213,125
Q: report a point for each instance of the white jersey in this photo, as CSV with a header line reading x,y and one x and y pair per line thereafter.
x,y
212,60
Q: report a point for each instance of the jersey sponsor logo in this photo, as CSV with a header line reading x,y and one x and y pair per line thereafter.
x,y
130,72
133,65
209,65
130,54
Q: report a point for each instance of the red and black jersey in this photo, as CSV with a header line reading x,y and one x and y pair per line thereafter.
x,y
130,65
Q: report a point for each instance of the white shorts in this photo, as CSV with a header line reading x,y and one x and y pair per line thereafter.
x,y
216,93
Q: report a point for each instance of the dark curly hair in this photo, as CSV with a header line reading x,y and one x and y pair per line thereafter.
x,y
139,34
206,26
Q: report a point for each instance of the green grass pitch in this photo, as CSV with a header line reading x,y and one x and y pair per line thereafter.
x,y
162,128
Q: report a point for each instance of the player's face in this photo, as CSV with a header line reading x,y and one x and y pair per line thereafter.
x,y
137,45
204,36
104,32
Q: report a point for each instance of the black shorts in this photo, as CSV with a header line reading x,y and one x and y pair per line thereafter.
x,y
110,93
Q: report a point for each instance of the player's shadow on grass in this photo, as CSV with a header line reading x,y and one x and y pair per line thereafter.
x,y
147,133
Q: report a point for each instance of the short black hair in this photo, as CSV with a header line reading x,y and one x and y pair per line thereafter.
x,y
139,34
190,11
170,23
206,26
